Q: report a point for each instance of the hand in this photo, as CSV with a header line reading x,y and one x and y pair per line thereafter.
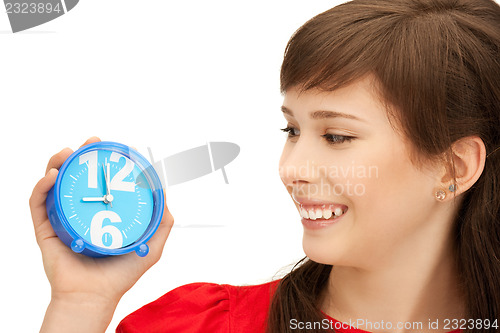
x,y
80,281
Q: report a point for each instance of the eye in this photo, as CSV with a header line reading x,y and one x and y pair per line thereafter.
x,y
332,139
335,139
291,131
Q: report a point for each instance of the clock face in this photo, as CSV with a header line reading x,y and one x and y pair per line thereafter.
x,y
106,199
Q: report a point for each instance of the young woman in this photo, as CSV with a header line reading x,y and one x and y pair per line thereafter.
x,y
393,162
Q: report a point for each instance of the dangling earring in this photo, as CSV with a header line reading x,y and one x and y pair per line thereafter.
x,y
440,194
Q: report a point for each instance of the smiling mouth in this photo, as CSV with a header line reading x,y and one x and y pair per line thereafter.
x,y
322,212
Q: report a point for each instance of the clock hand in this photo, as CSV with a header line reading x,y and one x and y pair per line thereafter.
x,y
105,199
94,199
108,187
108,198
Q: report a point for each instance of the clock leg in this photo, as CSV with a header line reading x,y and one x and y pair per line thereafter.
x,y
78,245
143,250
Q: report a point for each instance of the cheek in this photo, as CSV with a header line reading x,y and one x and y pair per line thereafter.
x,y
394,185
284,169
395,201
387,199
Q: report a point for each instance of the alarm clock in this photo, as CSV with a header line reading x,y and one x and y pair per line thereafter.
x,y
107,200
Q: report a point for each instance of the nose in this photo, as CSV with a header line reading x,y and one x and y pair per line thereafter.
x,y
301,164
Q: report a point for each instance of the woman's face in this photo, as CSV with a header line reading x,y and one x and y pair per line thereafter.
x,y
342,151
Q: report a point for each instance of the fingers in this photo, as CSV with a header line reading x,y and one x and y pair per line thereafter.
x,y
92,139
42,226
58,159
167,217
157,242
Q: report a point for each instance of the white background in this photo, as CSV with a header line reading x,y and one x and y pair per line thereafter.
x,y
166,75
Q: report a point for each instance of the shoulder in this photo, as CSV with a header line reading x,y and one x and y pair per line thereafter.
x,y
204,307
250,305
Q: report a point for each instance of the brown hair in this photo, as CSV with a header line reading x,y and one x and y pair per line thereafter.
x,y
437,67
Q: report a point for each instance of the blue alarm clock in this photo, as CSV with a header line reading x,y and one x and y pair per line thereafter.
x,y
107,200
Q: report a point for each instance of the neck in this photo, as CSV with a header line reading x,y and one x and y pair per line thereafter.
x,y
412,285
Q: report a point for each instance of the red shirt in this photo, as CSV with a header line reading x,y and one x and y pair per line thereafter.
x,y
210,307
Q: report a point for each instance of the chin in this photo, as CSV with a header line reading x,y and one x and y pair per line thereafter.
x,y
321,253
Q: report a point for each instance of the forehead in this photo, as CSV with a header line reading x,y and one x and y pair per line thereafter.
x,y
359,100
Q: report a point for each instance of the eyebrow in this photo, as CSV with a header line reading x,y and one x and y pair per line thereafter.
x,y
323,114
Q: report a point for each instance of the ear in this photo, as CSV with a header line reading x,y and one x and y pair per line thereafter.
x,y
468,155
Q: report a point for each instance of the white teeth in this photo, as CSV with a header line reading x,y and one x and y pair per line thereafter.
x,y
324,212
327,213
